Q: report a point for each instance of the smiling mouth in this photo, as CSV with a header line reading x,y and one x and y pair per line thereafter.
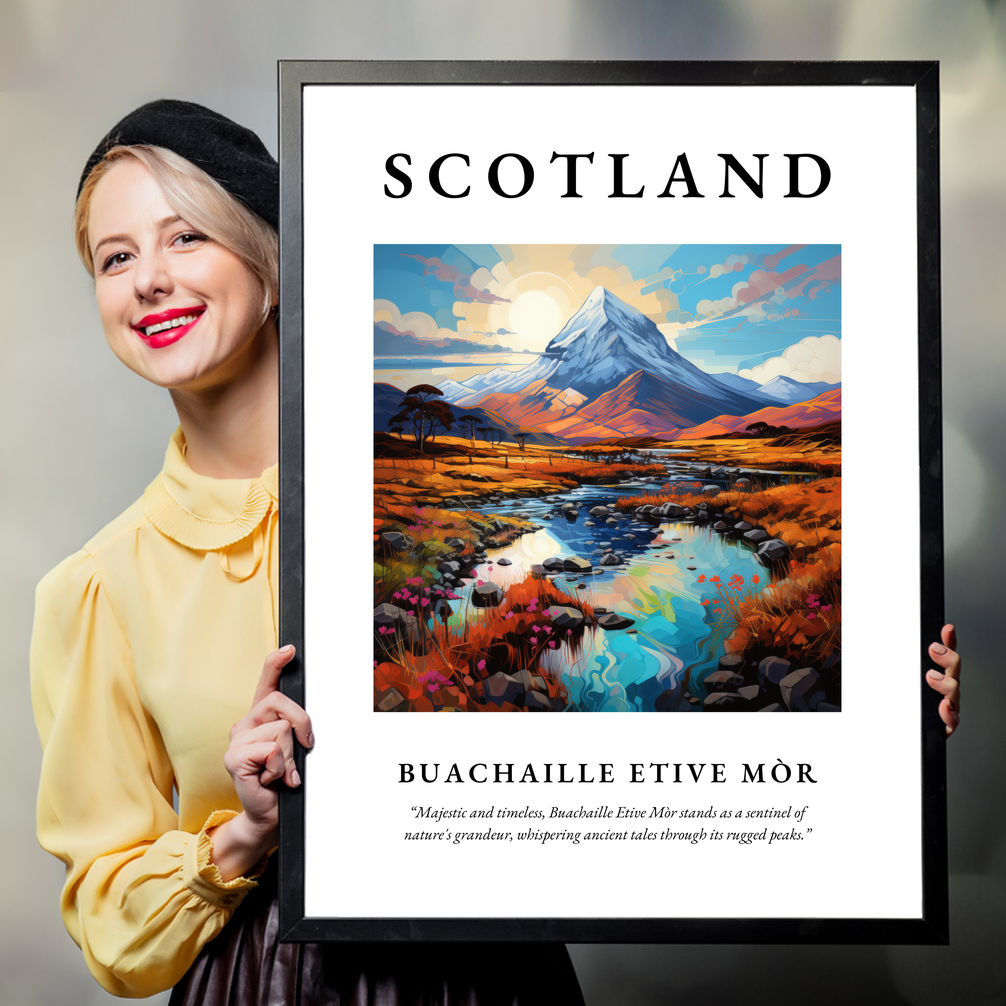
x,y
177,321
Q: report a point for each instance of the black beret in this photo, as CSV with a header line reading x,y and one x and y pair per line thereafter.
x,y
231,154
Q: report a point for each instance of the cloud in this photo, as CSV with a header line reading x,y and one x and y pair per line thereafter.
x,y
470,288
810,360
421,329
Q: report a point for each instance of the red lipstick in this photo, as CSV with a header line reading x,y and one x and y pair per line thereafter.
x,y
166,327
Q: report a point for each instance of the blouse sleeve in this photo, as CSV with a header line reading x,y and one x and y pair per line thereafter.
x,y
141,898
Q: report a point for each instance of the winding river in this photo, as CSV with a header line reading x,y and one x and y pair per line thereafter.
x,y
664,583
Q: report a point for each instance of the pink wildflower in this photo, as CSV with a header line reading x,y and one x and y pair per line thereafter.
x,y
481,665
534,639
425,601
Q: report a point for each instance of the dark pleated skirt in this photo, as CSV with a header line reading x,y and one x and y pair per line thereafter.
x,y
246,965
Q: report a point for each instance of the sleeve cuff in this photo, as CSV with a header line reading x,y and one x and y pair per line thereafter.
x,y
202,876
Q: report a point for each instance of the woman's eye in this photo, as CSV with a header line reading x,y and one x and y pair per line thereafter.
x,y
190,238
114,261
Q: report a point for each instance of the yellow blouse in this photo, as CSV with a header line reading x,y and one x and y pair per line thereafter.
x,y
147,647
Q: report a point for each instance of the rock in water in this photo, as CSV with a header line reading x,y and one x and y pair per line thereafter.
x,y
488,595
613,620
563,617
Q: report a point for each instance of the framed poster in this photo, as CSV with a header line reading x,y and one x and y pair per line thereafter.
x,y
597,312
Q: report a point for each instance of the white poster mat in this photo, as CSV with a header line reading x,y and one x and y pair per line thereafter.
x,y
860,854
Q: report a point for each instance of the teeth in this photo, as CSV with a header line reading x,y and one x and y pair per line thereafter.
x,y
174,323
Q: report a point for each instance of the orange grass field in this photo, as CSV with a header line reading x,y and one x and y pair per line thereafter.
x,y
460,657
799,615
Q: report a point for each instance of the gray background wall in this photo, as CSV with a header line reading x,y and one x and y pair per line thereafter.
x,y
81,436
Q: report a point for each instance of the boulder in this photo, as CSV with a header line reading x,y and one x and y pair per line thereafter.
x,y
721,527
588,523
599,511
562,617
613,620
398,541
742,525
731,662
611,521
772,551
799,687
503,562
538,701
749,692
526,681
538,571
391,701
669,510
568,506
742,484
456,542
553,564
772,670
546,516
723,681
499,688
756,536
711,490
609,559
453,568
488,595
390,616
574,564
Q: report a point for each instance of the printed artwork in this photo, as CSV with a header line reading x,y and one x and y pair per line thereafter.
x,y
607,478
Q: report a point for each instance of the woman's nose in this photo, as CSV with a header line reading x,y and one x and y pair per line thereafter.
x,y
152,277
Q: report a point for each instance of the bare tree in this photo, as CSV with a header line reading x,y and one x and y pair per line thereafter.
x,y
471,422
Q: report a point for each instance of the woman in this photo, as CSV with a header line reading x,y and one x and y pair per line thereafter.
x,y
149,643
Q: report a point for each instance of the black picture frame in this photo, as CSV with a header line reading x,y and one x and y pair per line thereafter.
x,y
932,925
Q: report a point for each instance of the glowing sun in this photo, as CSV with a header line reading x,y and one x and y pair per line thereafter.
x,y
535,317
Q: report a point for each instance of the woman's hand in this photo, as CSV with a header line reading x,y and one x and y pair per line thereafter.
x,y
947,681
260,753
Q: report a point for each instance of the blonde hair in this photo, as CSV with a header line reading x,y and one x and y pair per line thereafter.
x,y
199,200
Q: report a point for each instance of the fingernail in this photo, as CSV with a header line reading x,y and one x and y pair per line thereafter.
x,y
295,777
938,648
310,739
287,649
936,675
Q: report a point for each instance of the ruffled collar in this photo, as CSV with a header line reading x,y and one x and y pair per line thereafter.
x,y
203,513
